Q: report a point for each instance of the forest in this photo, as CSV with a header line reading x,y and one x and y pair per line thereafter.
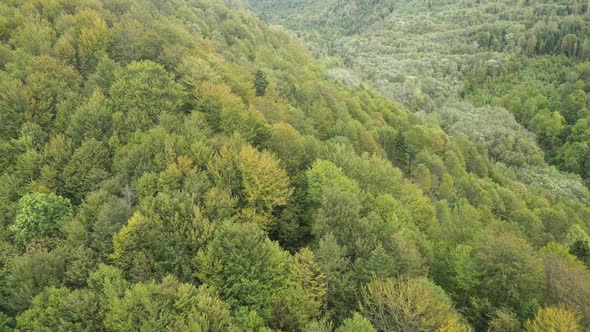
x,y
275,165
527,57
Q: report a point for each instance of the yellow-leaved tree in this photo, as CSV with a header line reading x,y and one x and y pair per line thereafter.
x,y
265,183
410,305
554,319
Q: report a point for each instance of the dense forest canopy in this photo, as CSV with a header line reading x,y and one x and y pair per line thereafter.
x,y
529,57
180,165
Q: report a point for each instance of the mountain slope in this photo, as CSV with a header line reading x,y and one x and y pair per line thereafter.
x,y
180,165
528,57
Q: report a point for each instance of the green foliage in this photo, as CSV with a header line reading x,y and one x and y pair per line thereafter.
x,y
581,249
456,270
60,309
319,326
5,322
110,218
92,120
536,42
168,305
40,216
51,86
356,323
512,274
305,296
567,281
324,174
244,266
142,91
162,238
108,283
339,214
336,266
260,83
553,106
88,166
286,142
188,143
25,276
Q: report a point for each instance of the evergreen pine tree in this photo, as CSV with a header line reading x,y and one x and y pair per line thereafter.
x,y
260,83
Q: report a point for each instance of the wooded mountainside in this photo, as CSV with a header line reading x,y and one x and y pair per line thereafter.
x,y
528,57
181,165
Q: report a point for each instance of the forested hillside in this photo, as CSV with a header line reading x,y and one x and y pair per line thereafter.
x,y
529,57
179,165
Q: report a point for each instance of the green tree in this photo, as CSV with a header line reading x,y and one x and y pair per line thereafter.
x,y
40,216
324,174
548,127
286,142
337,267
25,276
58,152
305,296
93,40
446,188
108,283
581,249
169,305
401,155
339,215
88,166
260,83
511,273
576,232
463,223
456,270
59,309
569,45
110,218
576,157
14,102
133,40
423,179
91,120
567,281
34,36
162,238
356,323
83,40
531,225
143,91
103,76
574,104
379,264
248,122
244,266
51,85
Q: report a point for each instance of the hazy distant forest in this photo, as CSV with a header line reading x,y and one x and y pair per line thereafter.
x,y
295,165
